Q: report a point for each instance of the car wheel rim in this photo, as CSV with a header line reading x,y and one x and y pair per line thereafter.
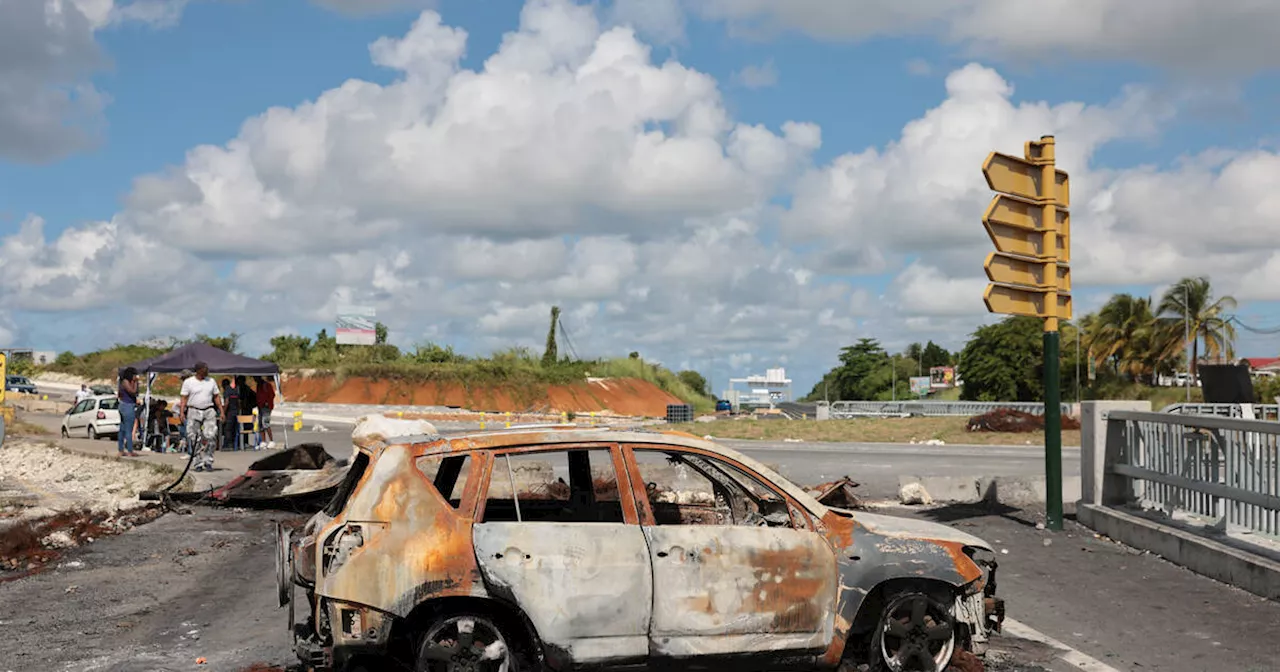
x,y
464,644
917,635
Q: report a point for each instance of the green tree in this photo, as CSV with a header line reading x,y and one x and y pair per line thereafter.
x,y
230,342
934,355
430,353
694,381
65,359
1191,301
289,350
915,351
1004,361
379,333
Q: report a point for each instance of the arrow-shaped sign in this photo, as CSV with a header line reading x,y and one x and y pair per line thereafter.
x,y
1020,177
1015,227
1009,300
1009,269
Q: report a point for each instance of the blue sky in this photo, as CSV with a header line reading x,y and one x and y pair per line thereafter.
x,y
171,87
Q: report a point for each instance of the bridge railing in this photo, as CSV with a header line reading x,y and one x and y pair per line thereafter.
x,y
1259,411
855,409
1224,469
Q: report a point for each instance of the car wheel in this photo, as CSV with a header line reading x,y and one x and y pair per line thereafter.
x,y
916,633
93,433
65,433
470,643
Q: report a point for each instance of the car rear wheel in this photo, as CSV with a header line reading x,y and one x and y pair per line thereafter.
x,y
93,433
467,643
916,633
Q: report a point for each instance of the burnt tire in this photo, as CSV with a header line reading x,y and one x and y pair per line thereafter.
x,y
914,633
471,642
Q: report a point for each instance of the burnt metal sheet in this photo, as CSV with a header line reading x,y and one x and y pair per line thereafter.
x,y
838,493
733,589
420,548
586,587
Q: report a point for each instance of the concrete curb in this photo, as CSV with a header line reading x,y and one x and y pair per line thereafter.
x,y
1007,490
1200,554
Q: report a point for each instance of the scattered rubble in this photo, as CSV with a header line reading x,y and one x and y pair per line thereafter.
x,y
29,546
914,493
1008,420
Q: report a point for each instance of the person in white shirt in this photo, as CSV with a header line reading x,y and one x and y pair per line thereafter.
x,y
83,394
199,401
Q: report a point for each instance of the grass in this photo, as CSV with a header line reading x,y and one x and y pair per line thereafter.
x,y
25,429
868,430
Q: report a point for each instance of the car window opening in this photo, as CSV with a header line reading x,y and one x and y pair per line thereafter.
x,y
564,486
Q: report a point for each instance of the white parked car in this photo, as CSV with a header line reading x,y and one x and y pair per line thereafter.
x,y
94,417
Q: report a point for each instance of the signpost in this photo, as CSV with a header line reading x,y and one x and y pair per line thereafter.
x,y
1029,222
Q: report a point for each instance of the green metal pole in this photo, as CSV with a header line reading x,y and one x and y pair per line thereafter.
x,y
1052,433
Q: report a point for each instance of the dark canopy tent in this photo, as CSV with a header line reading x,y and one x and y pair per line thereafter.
x,y
220,362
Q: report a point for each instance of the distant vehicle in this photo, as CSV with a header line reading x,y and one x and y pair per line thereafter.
x,y
724,405
95,417
19,384
102,389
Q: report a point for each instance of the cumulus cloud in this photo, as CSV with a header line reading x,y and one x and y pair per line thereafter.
x,y
1188,35
573,168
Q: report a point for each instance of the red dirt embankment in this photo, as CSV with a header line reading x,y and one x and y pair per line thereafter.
x,y
622,396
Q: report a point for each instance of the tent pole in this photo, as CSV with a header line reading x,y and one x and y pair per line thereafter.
x,y
279,400
146,409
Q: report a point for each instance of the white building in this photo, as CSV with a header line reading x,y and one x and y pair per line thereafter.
x,y
760,391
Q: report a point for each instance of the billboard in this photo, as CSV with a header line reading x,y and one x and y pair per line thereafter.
x,y
356,326
942,376
920,385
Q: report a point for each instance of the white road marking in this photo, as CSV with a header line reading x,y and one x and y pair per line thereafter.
x,y
1065,653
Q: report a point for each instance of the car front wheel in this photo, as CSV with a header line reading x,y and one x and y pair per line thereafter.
x,y
65,433
916,633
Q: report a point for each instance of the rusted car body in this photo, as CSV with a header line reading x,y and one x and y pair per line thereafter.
x,y
576,547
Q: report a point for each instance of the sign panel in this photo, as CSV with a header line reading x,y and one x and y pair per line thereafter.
x,y
1014,226
920,385
356,326
942,377
1010,300
1020,177
1012,270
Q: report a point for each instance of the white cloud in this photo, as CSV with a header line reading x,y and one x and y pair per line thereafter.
x,y
757,76
1189,35
573,169
658,20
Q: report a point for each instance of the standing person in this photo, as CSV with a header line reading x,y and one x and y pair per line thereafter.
x,y
199,400
83,394
127,393
232,398
266,404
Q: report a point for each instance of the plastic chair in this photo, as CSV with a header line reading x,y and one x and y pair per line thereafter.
x,y
246,425
174,435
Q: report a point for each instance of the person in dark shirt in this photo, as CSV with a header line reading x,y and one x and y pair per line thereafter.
x,y
127,393
232,397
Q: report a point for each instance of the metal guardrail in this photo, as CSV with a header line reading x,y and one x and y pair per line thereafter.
x,y
855,409
1260,411
1224,469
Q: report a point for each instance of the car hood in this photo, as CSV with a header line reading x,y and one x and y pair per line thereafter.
x,y
910,528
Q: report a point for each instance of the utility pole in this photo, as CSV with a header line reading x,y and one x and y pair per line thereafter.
x,y
1186,330
1029,222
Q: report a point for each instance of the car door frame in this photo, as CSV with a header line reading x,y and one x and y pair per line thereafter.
x,y
793,648
74,416
561,646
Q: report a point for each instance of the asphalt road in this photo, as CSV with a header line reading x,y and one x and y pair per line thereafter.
x,y
876,466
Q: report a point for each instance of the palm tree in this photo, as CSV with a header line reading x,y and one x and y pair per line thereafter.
x,y
1124,332
1190,302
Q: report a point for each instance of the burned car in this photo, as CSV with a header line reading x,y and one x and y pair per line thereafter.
x,y
564,548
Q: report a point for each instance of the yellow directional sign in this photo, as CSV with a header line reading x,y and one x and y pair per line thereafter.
x,y
1021,177
1013,270
1009,300
1015,227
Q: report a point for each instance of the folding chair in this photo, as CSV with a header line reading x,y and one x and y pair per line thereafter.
x,y
246,425
174,435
